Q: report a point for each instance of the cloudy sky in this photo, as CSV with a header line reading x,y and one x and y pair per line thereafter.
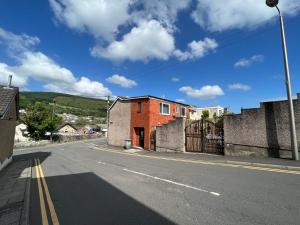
x,y
201,52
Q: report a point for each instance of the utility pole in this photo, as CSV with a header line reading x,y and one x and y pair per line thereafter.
x,y
107,113
52,117
294,143
107,117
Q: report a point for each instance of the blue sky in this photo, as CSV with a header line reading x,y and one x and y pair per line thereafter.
x,y
197,51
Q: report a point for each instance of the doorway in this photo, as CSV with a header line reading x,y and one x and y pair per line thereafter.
x,y
140,134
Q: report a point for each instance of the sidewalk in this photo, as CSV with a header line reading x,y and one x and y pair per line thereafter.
x,y
49,144
249,161
15,193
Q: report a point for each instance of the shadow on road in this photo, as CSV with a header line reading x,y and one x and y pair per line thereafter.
x,y
33,155
86,199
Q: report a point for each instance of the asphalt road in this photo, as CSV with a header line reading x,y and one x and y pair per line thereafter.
x,y
83,185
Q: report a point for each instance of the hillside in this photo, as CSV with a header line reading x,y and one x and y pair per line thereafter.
x,y
80,106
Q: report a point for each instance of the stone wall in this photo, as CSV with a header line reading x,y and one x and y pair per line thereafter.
x,y
58,138
119,123
263,131
171,136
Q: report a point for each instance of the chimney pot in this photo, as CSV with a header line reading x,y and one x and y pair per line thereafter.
x,y
9,81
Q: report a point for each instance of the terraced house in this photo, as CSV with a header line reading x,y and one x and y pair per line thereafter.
x,y
136,118
9,114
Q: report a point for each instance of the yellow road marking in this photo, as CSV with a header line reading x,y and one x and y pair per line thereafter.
x,y
41,195
48,197
268,169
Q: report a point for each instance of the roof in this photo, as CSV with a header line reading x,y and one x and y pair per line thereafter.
x,y
122,98
209,107
162,99
7,96
67,124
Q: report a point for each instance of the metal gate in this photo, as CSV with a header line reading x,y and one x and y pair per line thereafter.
x,y
153,140
204,136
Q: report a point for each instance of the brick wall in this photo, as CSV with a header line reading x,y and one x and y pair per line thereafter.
x,y
140,120
150,117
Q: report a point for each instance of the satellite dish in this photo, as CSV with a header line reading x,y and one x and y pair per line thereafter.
x,y
272,3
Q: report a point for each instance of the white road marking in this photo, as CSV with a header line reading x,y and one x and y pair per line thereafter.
x,y
103,163
172,182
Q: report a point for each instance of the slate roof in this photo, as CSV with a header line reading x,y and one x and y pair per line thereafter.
x,y
146,96
7,96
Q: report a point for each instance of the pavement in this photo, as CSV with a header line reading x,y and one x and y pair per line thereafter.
x,y
285,164
87,183
14,192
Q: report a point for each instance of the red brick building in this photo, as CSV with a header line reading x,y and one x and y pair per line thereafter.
x,y
146,112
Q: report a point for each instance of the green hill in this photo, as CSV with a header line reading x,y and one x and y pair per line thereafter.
x,y
80,106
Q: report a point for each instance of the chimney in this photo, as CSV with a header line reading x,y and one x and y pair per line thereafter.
x,y
9,81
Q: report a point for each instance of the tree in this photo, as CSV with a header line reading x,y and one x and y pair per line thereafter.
x,y
205,114
215,117
220,122
38,118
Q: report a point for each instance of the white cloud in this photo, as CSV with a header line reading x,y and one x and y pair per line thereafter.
x,y
91,88
180,100
197,49
40,67
84,87
121,81
17,43
107,20
101,18
17,80
230,14
165,11
147,41
175,79
239,86
248,62
151,24
204,93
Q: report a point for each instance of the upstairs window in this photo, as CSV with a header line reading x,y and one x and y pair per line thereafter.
x,y
139,107
220,112
177,109
164,109
183,111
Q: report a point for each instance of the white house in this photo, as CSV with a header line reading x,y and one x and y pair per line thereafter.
x,y
196,112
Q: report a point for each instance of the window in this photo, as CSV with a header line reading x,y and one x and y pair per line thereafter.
x,y
177,109
183,111
220,112
164,109
139,107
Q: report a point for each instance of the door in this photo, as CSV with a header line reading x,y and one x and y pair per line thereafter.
x,y
140,134
141,137
153,139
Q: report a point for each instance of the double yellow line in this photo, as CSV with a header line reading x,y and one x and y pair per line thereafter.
x,y
224,164
42,183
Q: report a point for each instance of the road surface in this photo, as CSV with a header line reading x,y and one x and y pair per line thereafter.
x,y
79,184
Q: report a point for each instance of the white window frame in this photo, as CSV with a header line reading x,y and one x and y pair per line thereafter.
x,y
161,106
